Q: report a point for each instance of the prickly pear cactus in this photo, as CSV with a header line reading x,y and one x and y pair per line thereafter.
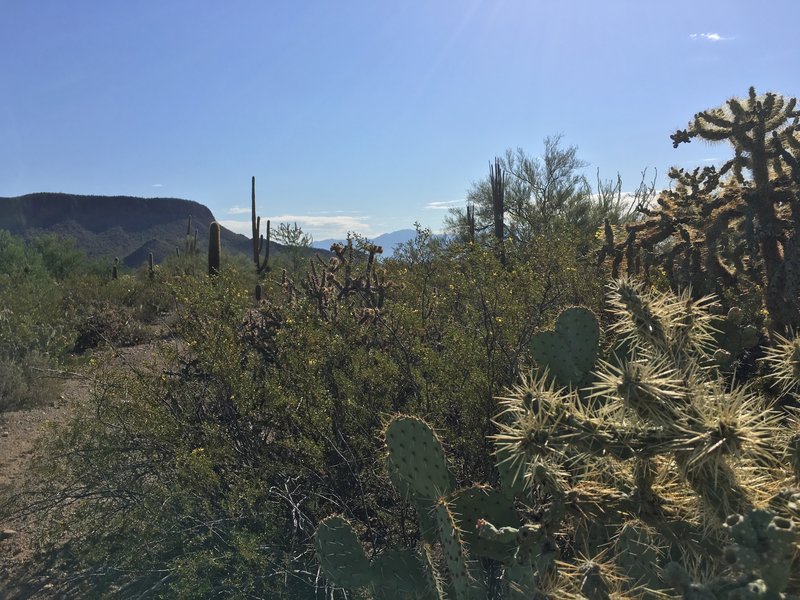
x,y
733,336
417,458
569,352
340,554
394,574
608,489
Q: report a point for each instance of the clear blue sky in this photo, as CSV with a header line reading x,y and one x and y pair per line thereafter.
x,y
363,115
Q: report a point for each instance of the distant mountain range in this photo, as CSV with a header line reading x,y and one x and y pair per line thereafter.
x,y
389,241
117,226
131,228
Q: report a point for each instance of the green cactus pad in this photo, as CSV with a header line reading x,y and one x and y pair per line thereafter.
x,y
434,581
570,351
424,507
340,554
483,502
464,585
417,456
399,574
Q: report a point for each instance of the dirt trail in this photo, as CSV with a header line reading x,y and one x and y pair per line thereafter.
x,y
19,431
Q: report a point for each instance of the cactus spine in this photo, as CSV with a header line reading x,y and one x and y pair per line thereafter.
x,y
658,461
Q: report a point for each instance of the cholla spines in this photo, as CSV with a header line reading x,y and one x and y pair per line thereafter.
x,y
726,442
661,450
678,326
784,361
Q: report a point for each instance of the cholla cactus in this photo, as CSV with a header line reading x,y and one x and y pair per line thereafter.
x,y
344,281
663,443
736,227
657,461
784,360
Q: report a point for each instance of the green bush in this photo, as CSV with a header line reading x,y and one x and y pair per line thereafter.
x,y
261,420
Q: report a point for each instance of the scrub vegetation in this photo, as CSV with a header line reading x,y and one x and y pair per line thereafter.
x,y
574,394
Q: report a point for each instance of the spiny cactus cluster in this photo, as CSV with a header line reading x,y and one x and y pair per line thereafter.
x,y
328,284
727,230
652,477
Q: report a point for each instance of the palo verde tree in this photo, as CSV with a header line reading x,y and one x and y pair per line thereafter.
x,y
297,244
541,195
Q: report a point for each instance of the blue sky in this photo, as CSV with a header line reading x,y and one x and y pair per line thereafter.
x,y
363,115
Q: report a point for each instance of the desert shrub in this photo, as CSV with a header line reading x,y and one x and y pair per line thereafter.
x,y
35,328
24,384
262,418
102,324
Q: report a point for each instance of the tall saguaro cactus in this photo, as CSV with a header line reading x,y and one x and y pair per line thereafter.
x,y
214,247
262,265
498,181
471,223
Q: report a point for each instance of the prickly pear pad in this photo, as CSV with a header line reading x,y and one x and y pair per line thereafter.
x,y
570,351
483,502
455,555
340,554
417,456
399,574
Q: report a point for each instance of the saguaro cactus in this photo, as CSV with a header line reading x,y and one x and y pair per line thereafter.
x,y
214,248
259,244
498,182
